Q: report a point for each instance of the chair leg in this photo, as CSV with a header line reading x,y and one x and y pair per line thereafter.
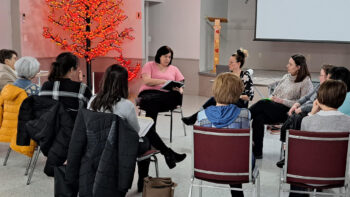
x,y
156,165
33,166
183,124
7,156
258,187
200,188
28,166
191,186
171,126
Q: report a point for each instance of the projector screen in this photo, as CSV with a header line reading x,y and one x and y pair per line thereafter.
x,y
303,20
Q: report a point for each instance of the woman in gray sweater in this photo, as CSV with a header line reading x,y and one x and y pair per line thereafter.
x,y
330,97
293,86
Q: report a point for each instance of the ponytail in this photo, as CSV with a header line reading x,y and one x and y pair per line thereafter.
x,y
63,64
240,56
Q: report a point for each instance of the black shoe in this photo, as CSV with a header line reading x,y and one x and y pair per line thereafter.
x,y
280,164
190,120
171,158
178,157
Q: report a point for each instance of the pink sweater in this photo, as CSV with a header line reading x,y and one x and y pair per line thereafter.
x,y
151,68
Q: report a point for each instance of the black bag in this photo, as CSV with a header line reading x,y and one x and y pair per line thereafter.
x,y
62,189
293,122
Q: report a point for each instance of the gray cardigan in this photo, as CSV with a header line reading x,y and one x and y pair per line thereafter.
x,y
326,121
306,102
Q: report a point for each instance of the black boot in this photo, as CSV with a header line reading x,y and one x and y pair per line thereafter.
x,y
171,158
143,167
280,164
190,120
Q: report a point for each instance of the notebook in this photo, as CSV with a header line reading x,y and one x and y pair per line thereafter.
x,y
221,69
169,85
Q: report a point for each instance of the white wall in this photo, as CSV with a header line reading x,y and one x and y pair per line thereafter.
x,y
211,8
175,23
5,24
274,55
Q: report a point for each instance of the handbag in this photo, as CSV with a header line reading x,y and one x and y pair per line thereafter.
x,y
158,187
61,188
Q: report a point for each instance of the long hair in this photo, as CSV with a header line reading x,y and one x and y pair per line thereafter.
x,y
63,64
303,72
114,86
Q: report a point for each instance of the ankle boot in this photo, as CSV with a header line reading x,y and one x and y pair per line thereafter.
x,y
178,157
190,120
171,158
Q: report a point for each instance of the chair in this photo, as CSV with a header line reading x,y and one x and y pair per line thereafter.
x,y
223,156
152,155
316,160
36,155
177,110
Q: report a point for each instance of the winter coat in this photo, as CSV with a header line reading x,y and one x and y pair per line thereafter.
x,y
11,99
102,154
46,122
7,75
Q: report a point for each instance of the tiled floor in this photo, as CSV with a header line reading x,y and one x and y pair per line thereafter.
x,y
13,181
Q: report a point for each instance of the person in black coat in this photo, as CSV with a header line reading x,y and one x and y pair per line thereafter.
x,y
46,122
102,154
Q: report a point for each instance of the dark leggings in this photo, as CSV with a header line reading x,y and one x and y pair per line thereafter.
x,y
265,112
153,102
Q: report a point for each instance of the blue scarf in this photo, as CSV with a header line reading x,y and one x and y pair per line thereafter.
x,y
222,116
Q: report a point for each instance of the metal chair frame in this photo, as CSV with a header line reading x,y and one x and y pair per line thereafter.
x,y
254,176
314,192
152,155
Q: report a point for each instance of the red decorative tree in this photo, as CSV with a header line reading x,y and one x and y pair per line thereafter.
x,y
91,27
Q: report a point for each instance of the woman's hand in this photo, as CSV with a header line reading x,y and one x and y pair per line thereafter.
x,y
298,110
181,90
277,100
315,107
244,97
293,108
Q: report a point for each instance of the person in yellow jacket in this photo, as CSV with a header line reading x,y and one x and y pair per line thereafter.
x,y
11,98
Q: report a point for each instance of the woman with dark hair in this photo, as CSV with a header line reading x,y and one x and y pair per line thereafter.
x,y
153,99
235,65
341,74
73,95
293,86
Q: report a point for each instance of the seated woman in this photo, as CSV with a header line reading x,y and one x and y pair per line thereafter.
x,y
154,100
293,86
235,65
11,98
113,98
225,114
343,74
27,68
330,97
303,106
73,95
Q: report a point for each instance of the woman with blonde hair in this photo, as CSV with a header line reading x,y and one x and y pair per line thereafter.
x,y
227,89
235,65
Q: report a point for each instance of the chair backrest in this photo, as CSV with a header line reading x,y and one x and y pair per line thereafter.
x,y
317,157
97,77
222,155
